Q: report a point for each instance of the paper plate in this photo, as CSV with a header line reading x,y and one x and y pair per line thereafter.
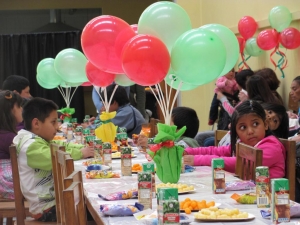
x,y
250,217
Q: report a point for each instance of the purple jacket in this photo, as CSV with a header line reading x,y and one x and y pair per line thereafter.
x,y
274,155
6,138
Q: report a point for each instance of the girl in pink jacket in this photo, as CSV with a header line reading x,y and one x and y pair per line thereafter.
x,y
249,125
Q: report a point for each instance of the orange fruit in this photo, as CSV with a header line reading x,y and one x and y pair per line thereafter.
x,y
187,210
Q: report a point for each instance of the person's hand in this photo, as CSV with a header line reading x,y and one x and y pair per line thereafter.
x,y
188,160
142,141
296,138
92,119
242,96
102,109
292,115
87,152
219,95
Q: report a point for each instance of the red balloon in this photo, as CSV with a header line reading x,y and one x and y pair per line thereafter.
x,y
146,60
242,43
98,42
290,38
135,28
98,77
85,84
124,36
247,27
267,39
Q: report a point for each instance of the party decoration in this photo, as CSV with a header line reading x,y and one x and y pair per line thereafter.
x,y
247,27
47,73
107,130
123,80
66,114
198,56
135,28
98,41
252,48
86,84
290,38
166,155
44,84
165,20
174,82
267,39
280,18
145,59
241,42
231,44
98,77
70,65
69,85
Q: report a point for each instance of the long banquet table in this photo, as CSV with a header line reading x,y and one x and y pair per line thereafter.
x,y
200,178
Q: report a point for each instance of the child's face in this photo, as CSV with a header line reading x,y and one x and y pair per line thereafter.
x,y
272,119
17,112
25,93
230,75
251,129
48,128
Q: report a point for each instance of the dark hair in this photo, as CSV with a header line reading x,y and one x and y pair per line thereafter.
x,y
246,107
8,99
39,108
270,76
283,129
120,95
15,82
242,77
259,90
184,116
297,79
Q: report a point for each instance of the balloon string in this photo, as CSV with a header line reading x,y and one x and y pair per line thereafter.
x,y
158,101
282,62
271,55
244,62
174,99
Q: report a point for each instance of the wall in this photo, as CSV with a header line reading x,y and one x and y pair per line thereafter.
x,y
228,13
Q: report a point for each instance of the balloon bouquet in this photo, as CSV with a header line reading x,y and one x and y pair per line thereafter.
x,y
67,70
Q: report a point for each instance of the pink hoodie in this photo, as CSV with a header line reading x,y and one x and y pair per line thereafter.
x,y
274,155
229,88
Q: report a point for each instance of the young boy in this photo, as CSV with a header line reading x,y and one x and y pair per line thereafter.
x,y
34,157
17,84
181,116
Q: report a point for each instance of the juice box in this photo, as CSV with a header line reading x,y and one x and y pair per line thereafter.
x,y
106,148
263,191
85,132
170,213
145,189
165,194
218,176
89,140
78,135
149,167
98,153
69,132
280,200
126,161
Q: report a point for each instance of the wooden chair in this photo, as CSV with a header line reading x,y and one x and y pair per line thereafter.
x,y
75,176
54,148
247,159
20,208
74,204
290,167
64,167
153,127
219,134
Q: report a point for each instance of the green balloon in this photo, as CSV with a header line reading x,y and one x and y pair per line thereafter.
x,y
70,65
47,73
65,84
280,18
251,47
173,81
231,44
123,80
44,84
198,56
165,20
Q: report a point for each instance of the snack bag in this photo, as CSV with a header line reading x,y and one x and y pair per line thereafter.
x,y
239,185
245,198
101,174
121,195
121,210
166,155
107,130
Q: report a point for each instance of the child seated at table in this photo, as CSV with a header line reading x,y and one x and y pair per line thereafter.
x,y
181,116
249,125
34,157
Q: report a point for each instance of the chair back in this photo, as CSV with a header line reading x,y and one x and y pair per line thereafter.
x,y
74,204
54,148
247,159
19,198
75,176
290,167
219,134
